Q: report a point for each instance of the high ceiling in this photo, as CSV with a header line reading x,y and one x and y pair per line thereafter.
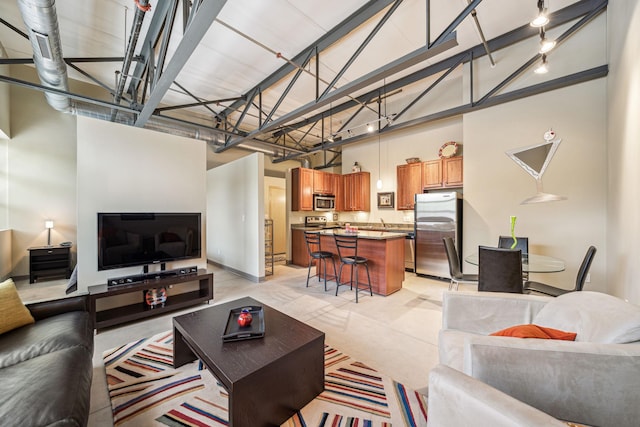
x,y
220,67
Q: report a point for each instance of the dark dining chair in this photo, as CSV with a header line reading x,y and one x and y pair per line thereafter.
x,y
522,243
500,270
545,289
455,270
316,253
348,254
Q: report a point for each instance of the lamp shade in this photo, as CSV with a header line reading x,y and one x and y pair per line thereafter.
x,y
48,224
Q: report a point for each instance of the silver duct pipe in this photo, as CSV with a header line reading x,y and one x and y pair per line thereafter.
x,y
41,21
161,124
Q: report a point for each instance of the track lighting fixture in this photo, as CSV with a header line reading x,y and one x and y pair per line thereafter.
x,y
542,68
542,19
369,127
545,44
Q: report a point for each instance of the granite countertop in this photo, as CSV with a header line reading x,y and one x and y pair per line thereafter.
x,y
366,234
392,228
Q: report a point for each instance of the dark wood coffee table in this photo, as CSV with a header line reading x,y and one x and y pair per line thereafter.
x,y
269,378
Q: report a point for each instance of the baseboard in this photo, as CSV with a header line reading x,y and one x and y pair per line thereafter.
x,y
238,272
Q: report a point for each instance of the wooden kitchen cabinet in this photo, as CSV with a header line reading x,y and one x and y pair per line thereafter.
x,y
357,191
323,182
299,251
409,179
338,191
442,173
452,172
301,189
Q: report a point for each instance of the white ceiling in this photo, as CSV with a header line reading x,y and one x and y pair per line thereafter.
x,y
229,63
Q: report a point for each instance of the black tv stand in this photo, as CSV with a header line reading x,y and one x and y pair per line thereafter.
x,y
139,310
146,275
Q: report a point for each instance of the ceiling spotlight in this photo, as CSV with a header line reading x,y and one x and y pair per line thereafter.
x,y
546,45
542,19
369,127
542,68
330,139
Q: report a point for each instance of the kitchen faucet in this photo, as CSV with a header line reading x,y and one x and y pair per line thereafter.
x,y
383,224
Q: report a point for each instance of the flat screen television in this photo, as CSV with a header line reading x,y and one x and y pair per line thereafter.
x,y
131,239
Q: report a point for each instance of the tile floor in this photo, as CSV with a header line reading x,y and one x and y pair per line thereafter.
x,y
396,334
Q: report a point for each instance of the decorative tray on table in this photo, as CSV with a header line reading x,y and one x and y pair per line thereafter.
x,y
234,332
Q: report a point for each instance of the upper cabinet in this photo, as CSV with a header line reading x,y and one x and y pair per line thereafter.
x,y
323,182
338,190
409,178
452,172
442,173
352,191
301,189
357,191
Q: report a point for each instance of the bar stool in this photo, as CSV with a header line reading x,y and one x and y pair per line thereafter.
x,y
316,253
348,254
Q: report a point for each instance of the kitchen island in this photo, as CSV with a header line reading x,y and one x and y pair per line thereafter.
x,y
383,249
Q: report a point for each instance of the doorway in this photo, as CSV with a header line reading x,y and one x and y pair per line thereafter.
x,y
277,211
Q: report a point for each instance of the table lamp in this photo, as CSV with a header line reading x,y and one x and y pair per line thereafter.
x,y
48,224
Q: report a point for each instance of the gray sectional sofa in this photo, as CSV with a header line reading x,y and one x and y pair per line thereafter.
x,y
46,367
509,381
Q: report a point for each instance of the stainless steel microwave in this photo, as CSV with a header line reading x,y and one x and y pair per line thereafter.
x,y
324,203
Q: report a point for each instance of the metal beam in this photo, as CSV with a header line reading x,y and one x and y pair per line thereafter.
x,y
199,25
89,76
67,60
352,22
360,48
393,67
197,104
454,24
155,27
565,81
287,89
558,18
71,95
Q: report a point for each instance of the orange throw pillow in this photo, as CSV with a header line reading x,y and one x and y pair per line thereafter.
x,y
535,331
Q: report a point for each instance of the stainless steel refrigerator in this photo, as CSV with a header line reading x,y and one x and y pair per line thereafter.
x,y
437,215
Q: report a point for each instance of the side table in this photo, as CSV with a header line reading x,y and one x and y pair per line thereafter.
x,y
49,261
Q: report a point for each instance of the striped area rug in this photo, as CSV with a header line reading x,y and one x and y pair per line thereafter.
x,y
145,390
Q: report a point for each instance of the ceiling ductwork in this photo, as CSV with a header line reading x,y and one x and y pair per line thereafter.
x,y
41,20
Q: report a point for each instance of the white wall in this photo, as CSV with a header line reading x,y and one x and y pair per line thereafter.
x,y
235,215
6,259
495,185
5,123
623,137
128,169
41,171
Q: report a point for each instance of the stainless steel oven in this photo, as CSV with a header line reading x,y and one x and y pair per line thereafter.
x,y
324,203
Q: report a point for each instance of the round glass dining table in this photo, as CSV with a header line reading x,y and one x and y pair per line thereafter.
x,y
531,263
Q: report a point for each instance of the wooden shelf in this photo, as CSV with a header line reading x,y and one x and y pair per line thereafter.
x,y
140,310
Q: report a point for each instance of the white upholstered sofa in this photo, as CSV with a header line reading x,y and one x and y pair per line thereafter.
x,y
591,380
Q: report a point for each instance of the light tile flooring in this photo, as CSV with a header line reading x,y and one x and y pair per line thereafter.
x,y
397,334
